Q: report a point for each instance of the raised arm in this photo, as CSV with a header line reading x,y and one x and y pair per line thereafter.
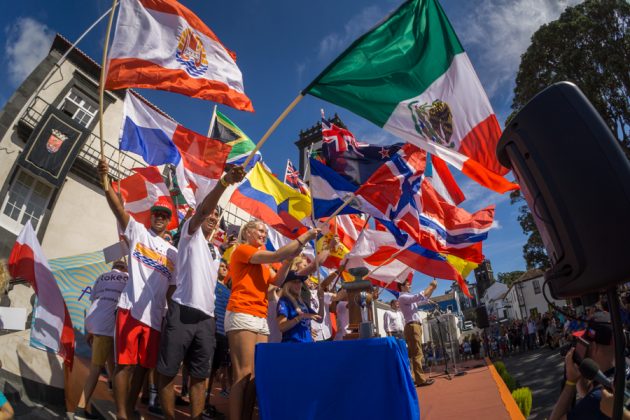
x,y
209,203
289,250
113,199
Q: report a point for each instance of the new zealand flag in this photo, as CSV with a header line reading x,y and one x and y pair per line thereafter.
x,y
353,160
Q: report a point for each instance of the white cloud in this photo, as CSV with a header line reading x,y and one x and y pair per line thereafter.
x,y
27,43
499,32
496,224
336,42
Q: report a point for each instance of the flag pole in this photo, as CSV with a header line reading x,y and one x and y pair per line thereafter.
x,y
310,192
342,266
272,128
101,89
390,259
212,120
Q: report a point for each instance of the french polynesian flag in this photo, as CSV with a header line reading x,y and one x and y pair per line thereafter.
x,y
198,160
160,44
52,325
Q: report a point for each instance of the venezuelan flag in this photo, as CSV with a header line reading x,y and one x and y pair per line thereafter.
x,y
267,198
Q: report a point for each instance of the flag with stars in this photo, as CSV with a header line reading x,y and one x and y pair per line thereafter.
x,y
354,160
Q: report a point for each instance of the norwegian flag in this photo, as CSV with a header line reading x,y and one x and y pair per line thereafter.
x,y
143,189
292,179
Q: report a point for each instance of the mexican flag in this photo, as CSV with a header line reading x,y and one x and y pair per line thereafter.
x,y
411,76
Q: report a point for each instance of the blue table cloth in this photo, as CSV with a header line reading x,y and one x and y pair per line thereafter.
x,y
356,379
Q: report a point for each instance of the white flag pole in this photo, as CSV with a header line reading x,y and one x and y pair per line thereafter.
x,y
213,121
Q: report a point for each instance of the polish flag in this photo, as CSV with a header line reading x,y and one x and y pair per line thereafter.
x,y
141,191
52,325
160,44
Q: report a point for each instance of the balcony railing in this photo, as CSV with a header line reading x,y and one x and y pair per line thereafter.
x,y
90,153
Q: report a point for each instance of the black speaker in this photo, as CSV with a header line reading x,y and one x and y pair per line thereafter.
x,y
482,317
576,181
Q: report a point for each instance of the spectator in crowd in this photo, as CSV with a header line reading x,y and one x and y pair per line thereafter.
x,y
475,346
601,349
100,326
394,320
142,303
294,315
531,333
339,307
189,333
413,327
6,410
467,348
246,314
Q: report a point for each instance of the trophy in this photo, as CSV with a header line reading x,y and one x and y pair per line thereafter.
x,y
360,297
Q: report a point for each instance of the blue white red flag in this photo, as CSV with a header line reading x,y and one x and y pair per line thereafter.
x,y
163,45
198,160
292,178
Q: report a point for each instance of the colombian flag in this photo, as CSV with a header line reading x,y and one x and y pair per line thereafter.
x,y
265,197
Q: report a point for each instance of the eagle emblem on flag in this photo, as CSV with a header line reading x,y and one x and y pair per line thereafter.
x,y
433,121
55,140
191,53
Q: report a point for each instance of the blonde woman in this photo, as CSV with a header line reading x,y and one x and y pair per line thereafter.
x,y
294,315
246,315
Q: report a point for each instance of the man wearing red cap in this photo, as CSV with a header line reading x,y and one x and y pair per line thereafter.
x,y
601,349
143,301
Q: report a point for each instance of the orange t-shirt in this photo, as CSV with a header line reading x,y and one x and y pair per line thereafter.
x,y
249,283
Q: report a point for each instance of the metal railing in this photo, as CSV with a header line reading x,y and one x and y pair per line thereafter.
x,y
90,153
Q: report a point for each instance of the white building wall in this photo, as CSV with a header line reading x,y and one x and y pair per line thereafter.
x,y
537,300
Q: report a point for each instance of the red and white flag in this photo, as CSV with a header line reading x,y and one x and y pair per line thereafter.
x,y
160,44
52,325
141,191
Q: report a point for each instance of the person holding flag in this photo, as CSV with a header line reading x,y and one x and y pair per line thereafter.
x,y
143,300
189,333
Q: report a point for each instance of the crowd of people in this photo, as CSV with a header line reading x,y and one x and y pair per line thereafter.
x,y
178,303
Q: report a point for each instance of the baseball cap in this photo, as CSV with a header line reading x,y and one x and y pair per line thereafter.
x,y
599,329
162,204
293,275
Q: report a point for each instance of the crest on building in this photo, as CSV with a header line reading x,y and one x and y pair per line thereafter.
x,y
191,53
55,140
433,121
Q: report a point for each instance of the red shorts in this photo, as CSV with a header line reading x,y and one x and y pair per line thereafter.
x,y
136,343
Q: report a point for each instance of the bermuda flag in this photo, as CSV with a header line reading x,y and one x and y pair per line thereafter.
x,y
160,44
292,178
411,76
198,160
141,190
52,325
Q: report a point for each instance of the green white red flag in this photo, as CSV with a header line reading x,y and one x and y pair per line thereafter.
x,y
411,76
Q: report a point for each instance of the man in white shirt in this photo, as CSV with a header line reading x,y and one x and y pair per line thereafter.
x,y
189,333
413,328
394,321
143,300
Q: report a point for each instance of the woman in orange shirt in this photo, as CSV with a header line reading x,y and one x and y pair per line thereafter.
x,y
246,315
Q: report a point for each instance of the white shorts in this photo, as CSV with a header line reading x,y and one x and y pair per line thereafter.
x,y
239,321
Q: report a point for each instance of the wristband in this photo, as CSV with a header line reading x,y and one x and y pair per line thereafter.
x,y
224,182
569,383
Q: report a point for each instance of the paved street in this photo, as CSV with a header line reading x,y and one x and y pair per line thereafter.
x,y
542,371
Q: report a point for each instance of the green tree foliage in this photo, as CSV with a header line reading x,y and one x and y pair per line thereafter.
x,y
523,398
588,45
509,277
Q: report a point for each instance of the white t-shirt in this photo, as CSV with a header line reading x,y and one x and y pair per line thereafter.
x,y
100,318
394,321
197,271
322,329
151,272
343,319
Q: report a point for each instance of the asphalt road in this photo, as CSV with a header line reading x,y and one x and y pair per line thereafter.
x,y
542,371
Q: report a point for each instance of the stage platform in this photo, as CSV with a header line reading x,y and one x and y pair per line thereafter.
x,y
480,394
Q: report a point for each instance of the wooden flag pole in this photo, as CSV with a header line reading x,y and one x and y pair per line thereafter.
x,y
272,128
390,259
101,90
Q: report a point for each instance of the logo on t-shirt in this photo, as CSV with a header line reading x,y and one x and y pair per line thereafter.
x,y
154,260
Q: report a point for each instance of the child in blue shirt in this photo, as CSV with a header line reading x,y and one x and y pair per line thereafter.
x,y
294,316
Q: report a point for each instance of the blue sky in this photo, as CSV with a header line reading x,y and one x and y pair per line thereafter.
x,y
281,46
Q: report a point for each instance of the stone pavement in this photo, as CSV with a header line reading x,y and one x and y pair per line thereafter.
x,y
542,371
